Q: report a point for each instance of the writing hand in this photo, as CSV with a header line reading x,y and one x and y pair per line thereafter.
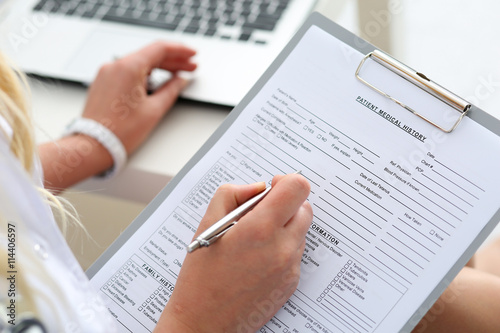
x,y
241,281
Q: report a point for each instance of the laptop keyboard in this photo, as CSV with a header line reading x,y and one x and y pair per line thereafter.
x,y
242,20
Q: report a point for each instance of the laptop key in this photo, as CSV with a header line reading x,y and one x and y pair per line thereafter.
x,y
210,32
245,35
90,13
39,6
204,17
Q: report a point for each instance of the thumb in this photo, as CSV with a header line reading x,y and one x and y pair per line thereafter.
x,y
168,93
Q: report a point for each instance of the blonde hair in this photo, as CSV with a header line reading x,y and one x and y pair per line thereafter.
x,y
15,109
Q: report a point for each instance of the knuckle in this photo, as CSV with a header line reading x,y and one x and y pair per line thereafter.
x,y
112,68
225,188
162,45
307,213
105,68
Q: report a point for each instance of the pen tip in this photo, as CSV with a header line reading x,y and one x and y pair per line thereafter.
x,y
193,246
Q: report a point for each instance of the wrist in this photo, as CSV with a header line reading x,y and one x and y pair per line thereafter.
x,y
97,132
93,154
72,159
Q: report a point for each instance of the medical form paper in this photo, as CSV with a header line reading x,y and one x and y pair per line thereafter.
x,y
396,201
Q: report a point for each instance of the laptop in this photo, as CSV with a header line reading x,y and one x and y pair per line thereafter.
x,y
236,40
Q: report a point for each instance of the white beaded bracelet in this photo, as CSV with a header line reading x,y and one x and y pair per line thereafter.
x,y
105,137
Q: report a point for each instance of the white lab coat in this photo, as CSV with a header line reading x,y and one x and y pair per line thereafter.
x,y
65,300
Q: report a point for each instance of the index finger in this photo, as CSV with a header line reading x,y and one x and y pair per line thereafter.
x,y
226,198
284,200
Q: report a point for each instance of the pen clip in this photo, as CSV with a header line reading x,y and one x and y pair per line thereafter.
x,y
210,241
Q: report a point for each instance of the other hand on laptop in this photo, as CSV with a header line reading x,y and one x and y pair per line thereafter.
x,y
119,100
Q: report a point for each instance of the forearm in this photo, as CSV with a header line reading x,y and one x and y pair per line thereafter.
x,y
72,159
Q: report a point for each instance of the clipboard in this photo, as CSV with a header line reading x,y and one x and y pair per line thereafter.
x,y
421,81
463,110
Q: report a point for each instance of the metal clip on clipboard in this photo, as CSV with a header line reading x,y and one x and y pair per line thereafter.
x,y
419,80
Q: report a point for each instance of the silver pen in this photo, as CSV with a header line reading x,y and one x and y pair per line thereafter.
x,y
218,229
